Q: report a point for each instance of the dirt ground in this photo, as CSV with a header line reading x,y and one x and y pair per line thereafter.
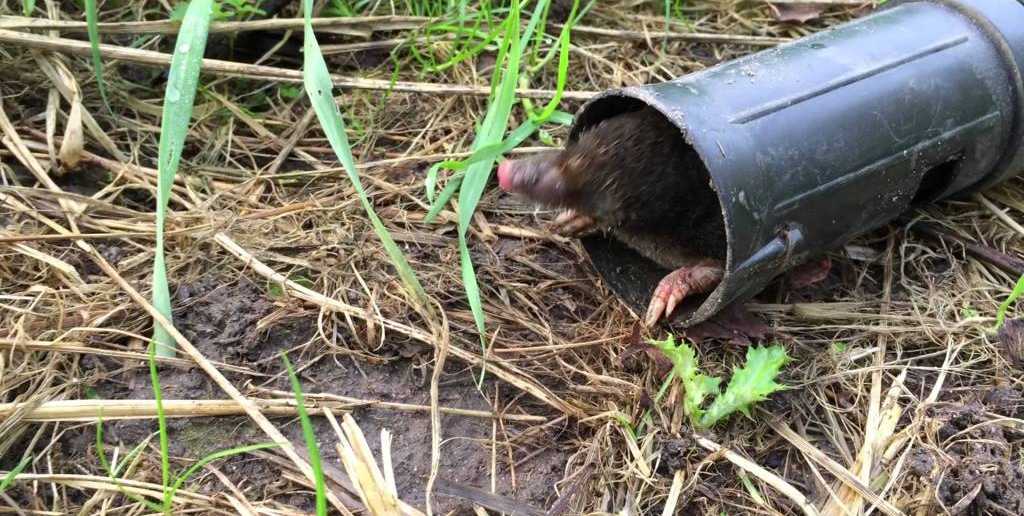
x,y
219,316
896,380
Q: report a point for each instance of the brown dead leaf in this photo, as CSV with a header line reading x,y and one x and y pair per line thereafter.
x,y
797,12
1011,342
635,345
810,273
734,324
73,143
632,343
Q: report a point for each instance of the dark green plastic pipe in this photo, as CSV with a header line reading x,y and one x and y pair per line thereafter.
x,y
814,142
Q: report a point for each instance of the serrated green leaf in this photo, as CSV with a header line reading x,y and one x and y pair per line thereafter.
x,y
701,387
696,386
750,384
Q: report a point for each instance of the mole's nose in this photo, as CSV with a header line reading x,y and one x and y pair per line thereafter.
x,y
505,175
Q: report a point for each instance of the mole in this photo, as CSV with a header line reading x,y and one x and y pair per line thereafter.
x,y
633,176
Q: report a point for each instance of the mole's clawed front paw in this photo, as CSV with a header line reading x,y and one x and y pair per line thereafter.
x,y
682,282
573,223
809,273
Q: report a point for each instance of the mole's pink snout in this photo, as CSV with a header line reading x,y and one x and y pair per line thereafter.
x,y
533,178
505,175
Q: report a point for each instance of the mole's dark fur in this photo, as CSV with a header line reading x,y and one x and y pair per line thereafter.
x,y
636,175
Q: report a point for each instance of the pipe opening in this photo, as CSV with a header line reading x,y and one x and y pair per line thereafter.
x,y
936,180
688,218
603,109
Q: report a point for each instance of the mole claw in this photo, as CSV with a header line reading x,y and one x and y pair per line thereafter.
x,y
571,222
676,285
654,311
673,301
665,299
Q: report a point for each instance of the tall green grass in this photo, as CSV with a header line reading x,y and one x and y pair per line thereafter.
x,y
317,82
674,8
13,474
490,143
91,20
473,174
477,174
179,98
158,396
310,436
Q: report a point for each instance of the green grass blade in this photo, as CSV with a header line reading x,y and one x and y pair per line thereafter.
x,y
1018,291
317,82
12,474
561,118
488,146
489,153
101,454
91,19
181,479
27,6
449,190
563,67
667,28
539,15
179,99
485,41
540,37
478,174
161,420
130,456
310,436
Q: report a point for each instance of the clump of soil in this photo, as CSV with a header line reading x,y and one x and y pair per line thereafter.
x,y
983,473
221,319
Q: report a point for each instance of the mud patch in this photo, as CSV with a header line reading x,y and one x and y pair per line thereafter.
x,y
222,321
982,473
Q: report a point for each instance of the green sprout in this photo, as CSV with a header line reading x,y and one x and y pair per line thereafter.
x,y
752,383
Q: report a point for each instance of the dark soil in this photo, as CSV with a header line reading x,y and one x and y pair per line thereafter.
x,y
221,319
981,471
